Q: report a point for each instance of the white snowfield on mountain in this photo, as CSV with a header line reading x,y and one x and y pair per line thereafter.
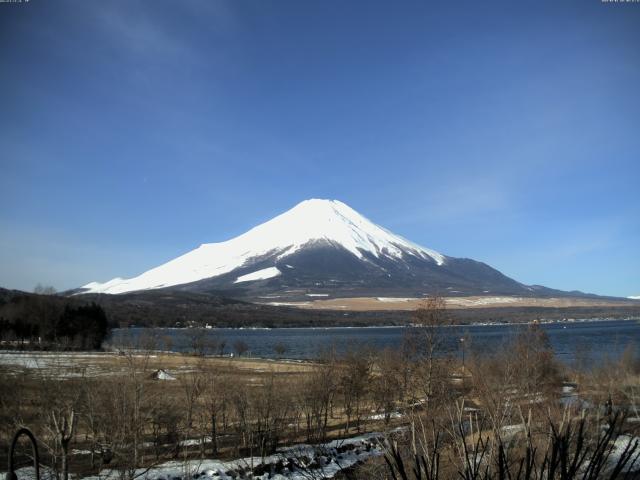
x,y
310,221
259,275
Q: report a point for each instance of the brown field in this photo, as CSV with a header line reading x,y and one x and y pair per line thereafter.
x,y
230,408
72,365
362,304
241,394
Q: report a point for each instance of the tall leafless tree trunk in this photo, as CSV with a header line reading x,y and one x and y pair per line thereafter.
x,y
64,423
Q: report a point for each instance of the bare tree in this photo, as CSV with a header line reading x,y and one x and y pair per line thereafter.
x,y
62,401
44,289
241,347
271,408
192,387
492,382
355,379
198,340
427,337
90,414
316,396
280,349
537,370
64,427
386,384
222,344
128,410
214,395
167,341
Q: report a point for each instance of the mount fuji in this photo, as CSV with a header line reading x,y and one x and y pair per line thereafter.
x,y
321,248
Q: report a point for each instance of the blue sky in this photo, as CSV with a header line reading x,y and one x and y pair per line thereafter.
x,y
133,131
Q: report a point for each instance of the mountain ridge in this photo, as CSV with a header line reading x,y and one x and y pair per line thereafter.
x,y
326,248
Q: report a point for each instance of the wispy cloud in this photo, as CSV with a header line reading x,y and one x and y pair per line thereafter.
x,y
575,246
162,30
139,33
458,200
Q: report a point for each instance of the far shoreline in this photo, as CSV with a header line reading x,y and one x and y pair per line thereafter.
x,y
452,325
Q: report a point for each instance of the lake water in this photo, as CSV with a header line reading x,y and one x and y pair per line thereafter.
x,y
593,340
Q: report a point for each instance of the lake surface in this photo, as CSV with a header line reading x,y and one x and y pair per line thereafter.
x,y
581,340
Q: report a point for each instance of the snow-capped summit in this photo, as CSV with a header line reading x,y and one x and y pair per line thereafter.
x,y
311,221
331,221
318,248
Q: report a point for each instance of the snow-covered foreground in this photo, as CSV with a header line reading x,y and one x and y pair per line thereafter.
x,y
57,364
45,359
300,462
64,364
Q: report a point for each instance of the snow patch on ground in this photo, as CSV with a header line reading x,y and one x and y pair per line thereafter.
x,y
394,299
45,360
508,431
288,304
299,462
618,448
163,375
382,416
487,300
62,365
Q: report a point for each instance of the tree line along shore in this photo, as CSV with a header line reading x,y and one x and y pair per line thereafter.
x,y
49,321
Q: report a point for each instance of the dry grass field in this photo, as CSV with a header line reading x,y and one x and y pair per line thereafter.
x,y
127,417
69,365
362,304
